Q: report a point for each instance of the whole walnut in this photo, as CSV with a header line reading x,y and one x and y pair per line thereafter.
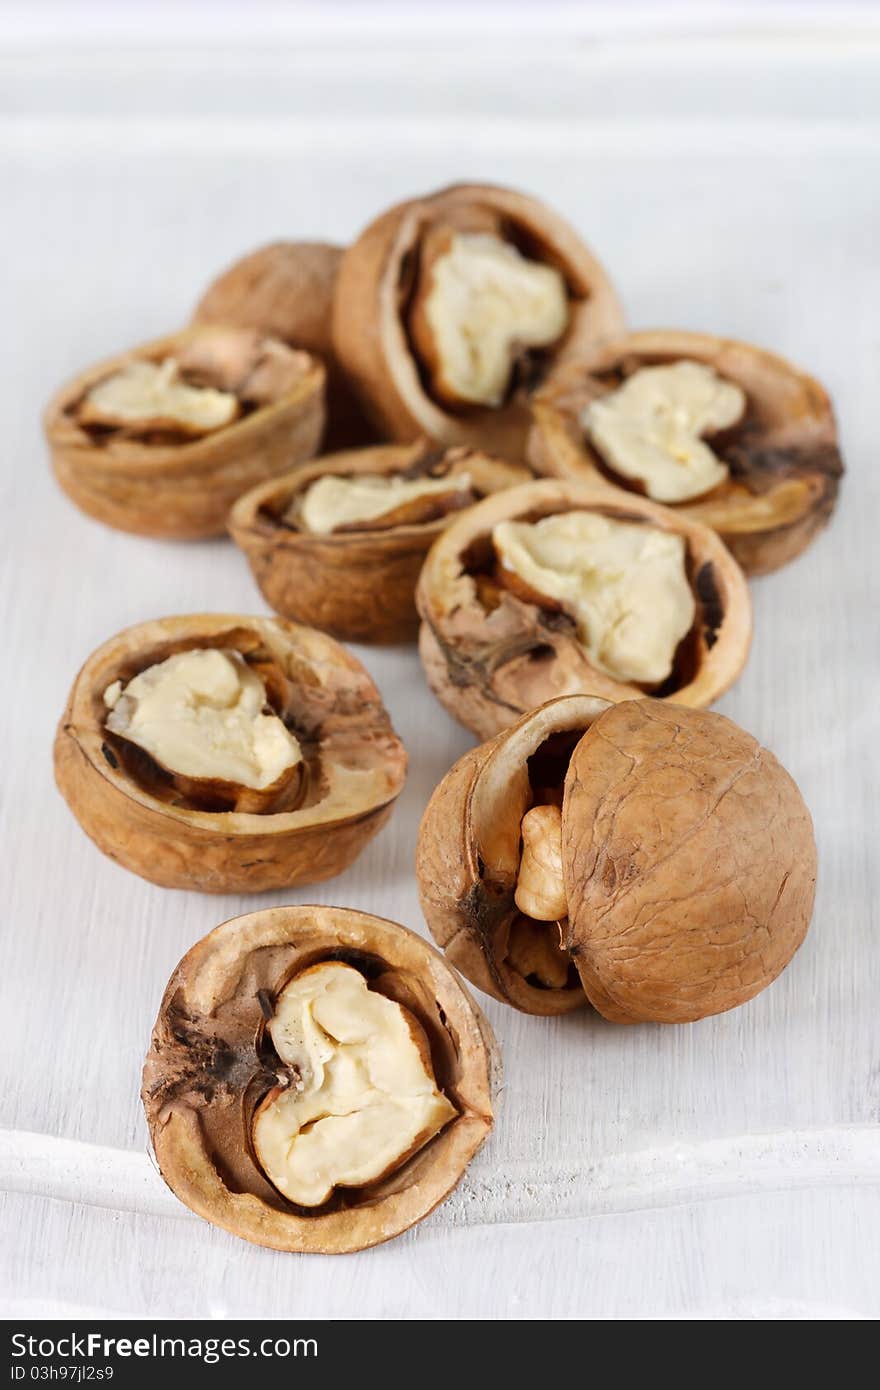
x,y
651,859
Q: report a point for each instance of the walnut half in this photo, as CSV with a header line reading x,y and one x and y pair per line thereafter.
x,y
227,754
653,860
318,1079
449,307
161,440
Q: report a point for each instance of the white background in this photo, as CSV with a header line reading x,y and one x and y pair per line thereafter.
x,y
724,161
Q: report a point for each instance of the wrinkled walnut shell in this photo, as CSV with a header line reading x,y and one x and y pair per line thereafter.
x,y
285,290
488,666
688,858
358,585
356,763
178,488
210,1064
370,333
785,466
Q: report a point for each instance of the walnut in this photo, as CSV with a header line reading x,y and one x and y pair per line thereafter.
x,y
340,543
675,879
555,588
727,434
449,307
285,290
162,440
652,428
318,1079
227,754
625,586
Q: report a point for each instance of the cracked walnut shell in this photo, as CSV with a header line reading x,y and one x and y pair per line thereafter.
x,y
675,855
335,793
779,466
357,578
448,307
494,645
163,466
216,1065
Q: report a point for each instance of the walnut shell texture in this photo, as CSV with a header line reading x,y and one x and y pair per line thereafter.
x,y
208,1067
690,864
370,334
357,585
490,661
357,765
784,461
468,854
285,290
183,489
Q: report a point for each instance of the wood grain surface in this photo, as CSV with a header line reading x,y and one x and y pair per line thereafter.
x,y
726,1170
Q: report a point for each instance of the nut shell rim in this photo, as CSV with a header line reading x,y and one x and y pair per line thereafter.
x,y
315,933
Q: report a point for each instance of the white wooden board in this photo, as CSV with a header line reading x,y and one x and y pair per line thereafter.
x,y
730,1169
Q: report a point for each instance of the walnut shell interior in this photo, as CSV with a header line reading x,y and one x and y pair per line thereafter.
x,y
688,860
167,483
211,1063
783,457
491,654
353,763
357,584
379,280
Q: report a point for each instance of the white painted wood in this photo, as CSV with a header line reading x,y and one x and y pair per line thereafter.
x,y
725,1170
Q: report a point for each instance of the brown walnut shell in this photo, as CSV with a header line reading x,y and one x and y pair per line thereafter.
x,y
357,584
491,655
469,853
285,290
355,764
183,488
688,857
210,1063
785,466
375,282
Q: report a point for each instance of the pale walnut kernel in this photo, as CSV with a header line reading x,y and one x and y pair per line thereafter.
x,y
361,1096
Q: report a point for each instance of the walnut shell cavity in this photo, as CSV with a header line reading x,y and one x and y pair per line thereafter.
x,y
358,585
785,465
172,487
688,860
210,1063
490,655
285,290
355,765
468,854
379,276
